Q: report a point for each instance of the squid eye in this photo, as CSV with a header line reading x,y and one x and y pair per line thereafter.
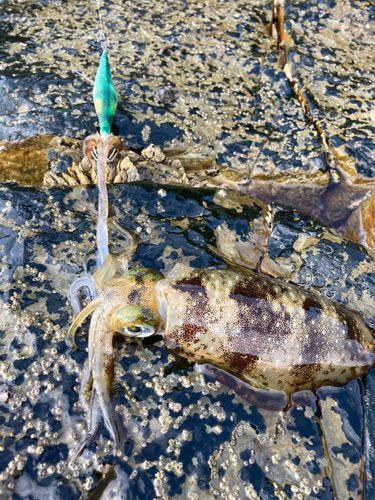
x,y
139,331
134,329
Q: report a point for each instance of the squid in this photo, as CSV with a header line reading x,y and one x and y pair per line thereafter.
x,y
270,335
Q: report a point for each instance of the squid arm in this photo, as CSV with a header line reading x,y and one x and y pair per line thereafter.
x,y
95,422
71,336
101,365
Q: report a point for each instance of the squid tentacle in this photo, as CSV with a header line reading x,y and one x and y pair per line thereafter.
x,y
101,365
115,265
86,389
132,238
83,282
102,142
132,242
105,273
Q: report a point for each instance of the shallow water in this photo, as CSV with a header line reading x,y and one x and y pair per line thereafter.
x,y
232,103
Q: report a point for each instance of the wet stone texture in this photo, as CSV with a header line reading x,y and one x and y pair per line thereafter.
x,y
187,436
326,38
202,79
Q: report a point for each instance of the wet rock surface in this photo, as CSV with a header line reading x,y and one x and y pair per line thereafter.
x,y
216,94
229,92
202,81
298,248
187,436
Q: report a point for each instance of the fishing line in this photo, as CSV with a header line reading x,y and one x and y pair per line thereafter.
x,y
102,35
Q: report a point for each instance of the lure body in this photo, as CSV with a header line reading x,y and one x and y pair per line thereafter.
x,y
104,95
268,333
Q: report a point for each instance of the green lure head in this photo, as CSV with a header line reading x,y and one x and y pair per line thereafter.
x,y
105,96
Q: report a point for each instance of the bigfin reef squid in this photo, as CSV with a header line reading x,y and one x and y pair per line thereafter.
x,y
272,335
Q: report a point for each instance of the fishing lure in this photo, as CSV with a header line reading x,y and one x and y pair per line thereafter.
x,y
272,335
99,145
105,96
